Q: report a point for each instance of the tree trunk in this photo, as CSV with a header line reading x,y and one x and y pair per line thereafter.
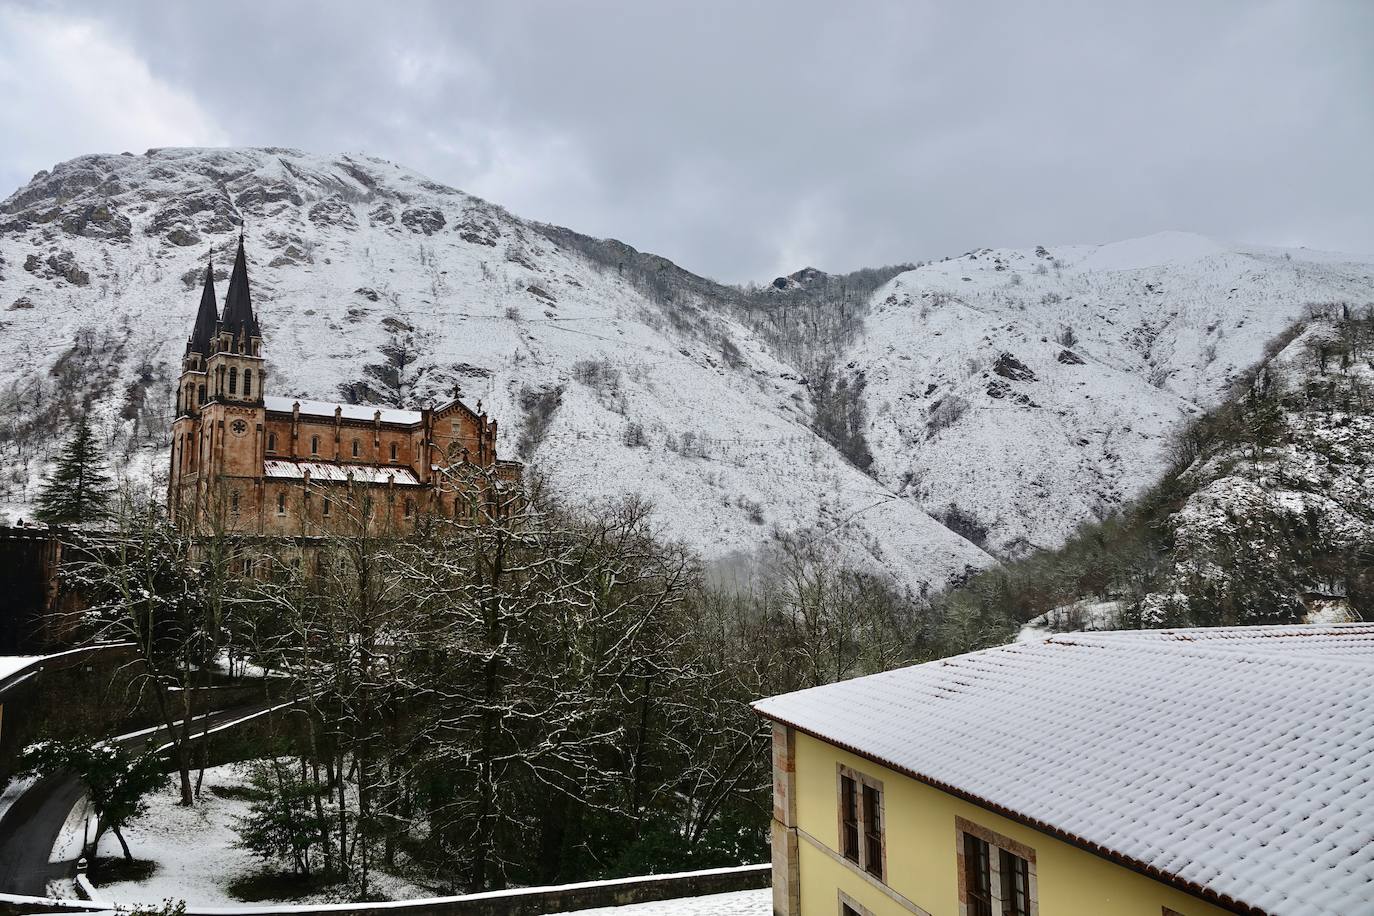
x,y
128,856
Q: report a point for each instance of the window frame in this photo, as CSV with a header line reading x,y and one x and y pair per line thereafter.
x,y
997,845
848,904
863,784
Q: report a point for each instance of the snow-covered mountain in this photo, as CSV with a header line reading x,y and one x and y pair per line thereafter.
x,y
1029,390
1011,394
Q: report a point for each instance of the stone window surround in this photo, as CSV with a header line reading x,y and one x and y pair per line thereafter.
x,y
998,842
855,906
861,780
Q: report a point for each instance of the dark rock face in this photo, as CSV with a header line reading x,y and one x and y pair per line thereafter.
x,y
182,236
59,266
423,219
1009,367
999,390
97,221
382,216
267,199
1069,358
367,293
23,302
333,213
478,229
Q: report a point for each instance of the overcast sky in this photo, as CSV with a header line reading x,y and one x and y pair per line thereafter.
x,y
747,139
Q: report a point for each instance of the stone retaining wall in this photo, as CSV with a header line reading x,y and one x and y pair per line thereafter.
x,y
533,901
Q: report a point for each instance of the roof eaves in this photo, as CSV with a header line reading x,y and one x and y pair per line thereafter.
x,y
1118,858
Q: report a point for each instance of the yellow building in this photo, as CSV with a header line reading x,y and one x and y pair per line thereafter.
x,y
1146,773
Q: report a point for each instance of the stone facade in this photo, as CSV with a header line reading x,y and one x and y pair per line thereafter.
x,y
246,462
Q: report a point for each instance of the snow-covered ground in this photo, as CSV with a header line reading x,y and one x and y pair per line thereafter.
x,y
195,851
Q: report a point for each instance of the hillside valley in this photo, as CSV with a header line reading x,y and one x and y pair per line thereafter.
x,y
928,420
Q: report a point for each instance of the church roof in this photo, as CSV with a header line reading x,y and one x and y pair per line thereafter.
x,y
238,305
206,318
364,412
320,471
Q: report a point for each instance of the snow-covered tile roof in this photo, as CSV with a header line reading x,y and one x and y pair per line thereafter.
x,y
364,412
359,473
1234,761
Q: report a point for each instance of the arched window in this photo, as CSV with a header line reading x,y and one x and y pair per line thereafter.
x,y
247,383
201,396
271,442
326,507
356,448
233,380
314,445
393,451
410,505
281,503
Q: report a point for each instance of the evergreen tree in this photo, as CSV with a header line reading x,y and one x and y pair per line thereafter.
x,y
79,489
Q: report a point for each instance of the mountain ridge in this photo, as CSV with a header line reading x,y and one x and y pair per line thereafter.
x,y
863,406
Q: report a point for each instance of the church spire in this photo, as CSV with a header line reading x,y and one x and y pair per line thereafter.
x,y
207,317
238,306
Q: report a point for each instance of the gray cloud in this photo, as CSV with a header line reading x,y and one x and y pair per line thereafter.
x,y
744,140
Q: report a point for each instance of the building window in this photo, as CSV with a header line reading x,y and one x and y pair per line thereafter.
x,y
271,442
849,818
861,821
314,445
281,503
393,451
410,508
326,507
1015,884
200,396
234,501
247,382
997,873
851,907
357,448
233,380
977,877
873,831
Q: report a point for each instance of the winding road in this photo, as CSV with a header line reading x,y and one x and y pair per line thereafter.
x,y
30,828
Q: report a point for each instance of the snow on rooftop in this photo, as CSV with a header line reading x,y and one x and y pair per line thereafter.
x,y
400,475
365,412
1235,760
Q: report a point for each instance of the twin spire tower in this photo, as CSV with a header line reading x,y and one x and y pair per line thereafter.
x,y
246,462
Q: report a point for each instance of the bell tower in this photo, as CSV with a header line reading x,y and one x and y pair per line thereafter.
x,y
217,443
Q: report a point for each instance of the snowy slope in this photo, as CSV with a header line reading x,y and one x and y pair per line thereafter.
x,y
375,283
1033,389
378,285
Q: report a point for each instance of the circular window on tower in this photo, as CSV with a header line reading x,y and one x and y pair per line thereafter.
x,y
239,427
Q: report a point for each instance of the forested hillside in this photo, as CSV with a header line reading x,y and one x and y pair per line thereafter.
x,y
1265,516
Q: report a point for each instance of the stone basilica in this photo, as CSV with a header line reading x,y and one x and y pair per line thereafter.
x,y
247,462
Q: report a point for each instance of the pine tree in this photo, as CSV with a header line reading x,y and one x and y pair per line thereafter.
x,y
78,490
